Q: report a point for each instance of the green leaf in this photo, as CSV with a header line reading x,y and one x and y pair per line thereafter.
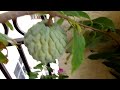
x,y
43,77
76,14
105,22
93,38
63,76
101,23
98,26
60,21
9,25
94,24
33,75
90,37
37,71
86,22
71,13
39,66
77,50
5,39
83,14
3,58
46,77
61,12
54,76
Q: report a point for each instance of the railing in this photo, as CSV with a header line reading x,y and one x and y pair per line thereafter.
x,y
20,49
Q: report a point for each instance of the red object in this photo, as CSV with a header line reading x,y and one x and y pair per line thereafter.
x,y
60,70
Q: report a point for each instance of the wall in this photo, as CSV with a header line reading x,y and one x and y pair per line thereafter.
x,y
91,69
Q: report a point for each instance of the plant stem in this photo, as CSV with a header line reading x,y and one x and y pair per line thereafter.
x,y
110,34
14,14
50,22
48,65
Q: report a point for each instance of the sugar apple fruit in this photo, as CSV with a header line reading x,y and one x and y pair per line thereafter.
x,y
45,43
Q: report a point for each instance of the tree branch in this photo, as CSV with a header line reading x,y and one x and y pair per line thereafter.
x,y
112,35
14,14
4,17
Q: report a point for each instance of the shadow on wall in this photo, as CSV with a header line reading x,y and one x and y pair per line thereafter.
x,y
88,70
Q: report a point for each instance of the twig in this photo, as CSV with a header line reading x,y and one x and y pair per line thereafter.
x,y
14,14
49,22
111,35
4,17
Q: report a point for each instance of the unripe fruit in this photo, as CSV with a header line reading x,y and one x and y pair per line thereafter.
x,y
45,43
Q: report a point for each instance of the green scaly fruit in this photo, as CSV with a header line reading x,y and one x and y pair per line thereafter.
x,y
45,43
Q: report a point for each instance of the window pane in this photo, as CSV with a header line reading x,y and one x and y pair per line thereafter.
x,y
17,70
24,69
21,76
20,60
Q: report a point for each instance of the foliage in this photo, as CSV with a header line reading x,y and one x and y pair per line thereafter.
x,y
78,48
80,39
34,75
4,41
111,59
101,23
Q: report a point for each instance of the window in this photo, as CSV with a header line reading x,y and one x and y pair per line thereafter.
x,y
20,70
17,70
21,75
20,60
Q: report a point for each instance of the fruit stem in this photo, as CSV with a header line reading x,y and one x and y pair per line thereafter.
x,y
49,22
